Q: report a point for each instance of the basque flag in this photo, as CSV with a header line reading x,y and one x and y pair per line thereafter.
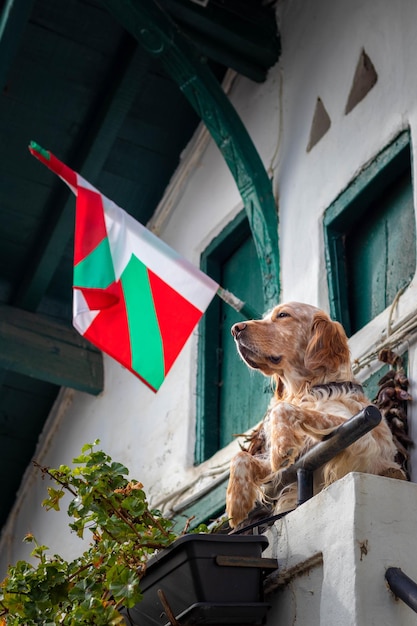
x,y
134,297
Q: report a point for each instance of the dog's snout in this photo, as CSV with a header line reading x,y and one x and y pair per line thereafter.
x,y
237,328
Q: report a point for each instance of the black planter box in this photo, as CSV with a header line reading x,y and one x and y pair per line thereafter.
x,y
197,589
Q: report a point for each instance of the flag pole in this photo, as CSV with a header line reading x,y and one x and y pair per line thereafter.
x,y
238,305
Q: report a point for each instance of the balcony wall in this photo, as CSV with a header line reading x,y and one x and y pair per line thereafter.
x,y
333,552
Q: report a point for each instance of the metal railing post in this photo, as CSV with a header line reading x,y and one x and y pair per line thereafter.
x,y
402,586
342,437
304,485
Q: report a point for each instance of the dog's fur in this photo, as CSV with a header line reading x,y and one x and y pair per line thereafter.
x,y
307,355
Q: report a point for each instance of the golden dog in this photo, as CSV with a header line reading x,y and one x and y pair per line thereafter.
x,y
308,357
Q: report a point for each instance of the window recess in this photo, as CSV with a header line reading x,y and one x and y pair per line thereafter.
x,y
370,238
230,397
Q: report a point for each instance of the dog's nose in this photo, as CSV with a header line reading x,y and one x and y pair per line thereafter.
x,y
237,328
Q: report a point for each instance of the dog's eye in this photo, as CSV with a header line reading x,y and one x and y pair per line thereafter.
x,y
275,359
283,314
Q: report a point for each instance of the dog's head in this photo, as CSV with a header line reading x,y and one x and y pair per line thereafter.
x,y
295,343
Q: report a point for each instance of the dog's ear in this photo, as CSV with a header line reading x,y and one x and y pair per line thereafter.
x,y
328,347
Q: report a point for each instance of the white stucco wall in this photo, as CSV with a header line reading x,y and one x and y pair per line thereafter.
x,y
154,434
333,568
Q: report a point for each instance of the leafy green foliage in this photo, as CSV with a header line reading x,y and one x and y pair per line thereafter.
x,y
92,588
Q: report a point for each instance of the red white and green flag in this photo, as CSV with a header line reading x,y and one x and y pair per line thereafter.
x,y
134,297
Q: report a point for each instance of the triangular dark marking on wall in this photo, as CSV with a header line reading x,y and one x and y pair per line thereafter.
x,y
320,124
363,81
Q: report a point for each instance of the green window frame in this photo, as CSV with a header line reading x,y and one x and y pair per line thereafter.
x,y
230,397
370,384
370,238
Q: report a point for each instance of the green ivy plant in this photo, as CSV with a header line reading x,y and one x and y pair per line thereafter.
x,y
94,587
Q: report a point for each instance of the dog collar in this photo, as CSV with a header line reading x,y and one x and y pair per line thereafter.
x,y
346,386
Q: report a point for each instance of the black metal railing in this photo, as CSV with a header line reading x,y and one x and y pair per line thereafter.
x,y
302,470
402,586
346,434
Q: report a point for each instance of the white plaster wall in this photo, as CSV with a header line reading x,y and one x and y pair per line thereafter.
x,y
360,526
322,42
154,434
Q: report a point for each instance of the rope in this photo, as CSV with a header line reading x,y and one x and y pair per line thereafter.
x,y
406,330
392,309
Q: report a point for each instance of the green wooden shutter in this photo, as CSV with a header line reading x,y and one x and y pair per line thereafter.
x,y
230,397
381,253
242,398
370,238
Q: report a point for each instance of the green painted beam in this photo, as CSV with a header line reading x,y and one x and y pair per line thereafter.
x,y
13,19
244,37
251,30
220,52
90,153
43,349
161,38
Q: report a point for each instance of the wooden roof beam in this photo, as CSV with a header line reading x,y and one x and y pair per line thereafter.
x,y
13,20
44,349
241,36
161,38
97,136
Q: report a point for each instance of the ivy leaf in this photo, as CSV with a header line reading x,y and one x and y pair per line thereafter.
x,y
124,584
52,502
135,505
89,589
39,552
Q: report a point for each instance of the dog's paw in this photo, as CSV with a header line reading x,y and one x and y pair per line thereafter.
x,y
286,435
241,492
283,456
246,476
288,457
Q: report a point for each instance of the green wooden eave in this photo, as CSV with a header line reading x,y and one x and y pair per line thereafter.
x,y
100,130
73,79
245,40
47,350
160,37
13,20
